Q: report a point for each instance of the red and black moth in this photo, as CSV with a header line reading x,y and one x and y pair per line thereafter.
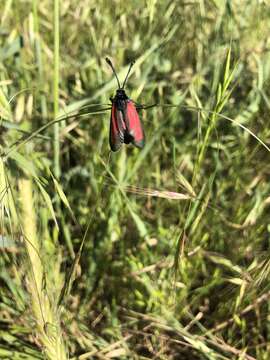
x,y
125,126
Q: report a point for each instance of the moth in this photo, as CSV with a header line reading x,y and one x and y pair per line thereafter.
x,y
125,124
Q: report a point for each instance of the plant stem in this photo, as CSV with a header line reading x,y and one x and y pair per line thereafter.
x,y
41,81
57,170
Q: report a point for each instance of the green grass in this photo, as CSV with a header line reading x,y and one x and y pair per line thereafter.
x,y
160,253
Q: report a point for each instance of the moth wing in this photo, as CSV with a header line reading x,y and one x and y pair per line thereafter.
x,y
116,129
134,125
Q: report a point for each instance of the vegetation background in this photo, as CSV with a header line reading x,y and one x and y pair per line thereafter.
x,y
155,254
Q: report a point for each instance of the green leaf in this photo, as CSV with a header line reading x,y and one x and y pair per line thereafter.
x,y
5,110
24,164
48,202
62,196
227,67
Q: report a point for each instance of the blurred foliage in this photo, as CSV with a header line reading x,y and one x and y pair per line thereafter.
x,y
174,262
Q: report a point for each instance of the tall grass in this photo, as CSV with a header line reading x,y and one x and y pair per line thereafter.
x,y
56,59
46,315
154,254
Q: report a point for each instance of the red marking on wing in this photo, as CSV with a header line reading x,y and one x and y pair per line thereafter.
x,y
134,125
117,128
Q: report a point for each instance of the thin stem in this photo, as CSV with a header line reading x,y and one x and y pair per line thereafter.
x,y
37,41
57,169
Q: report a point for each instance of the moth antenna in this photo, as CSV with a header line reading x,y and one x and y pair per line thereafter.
x,y
130,66
112,67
